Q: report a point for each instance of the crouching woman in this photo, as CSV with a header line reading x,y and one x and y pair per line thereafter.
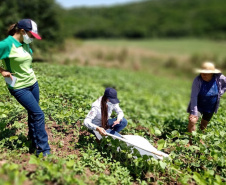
x,y
99,116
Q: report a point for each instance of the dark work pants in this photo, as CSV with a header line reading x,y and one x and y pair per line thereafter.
x,y
29,98
119,126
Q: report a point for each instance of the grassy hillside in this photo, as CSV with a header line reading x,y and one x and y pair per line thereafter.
x,y
148,19
155,108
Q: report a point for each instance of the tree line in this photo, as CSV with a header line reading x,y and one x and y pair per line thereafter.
x,y
45,13
144,19
149,19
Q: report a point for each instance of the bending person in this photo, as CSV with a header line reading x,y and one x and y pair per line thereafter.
x,y
98,117
16,57
207,88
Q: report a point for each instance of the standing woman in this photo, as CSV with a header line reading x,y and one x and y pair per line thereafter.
x,y
16,57
207,88
98,117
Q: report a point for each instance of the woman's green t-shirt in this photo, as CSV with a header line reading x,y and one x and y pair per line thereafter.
x,y
17,58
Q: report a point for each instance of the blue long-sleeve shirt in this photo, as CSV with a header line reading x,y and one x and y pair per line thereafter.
x,y
196,86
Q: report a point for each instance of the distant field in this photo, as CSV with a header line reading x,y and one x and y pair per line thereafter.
x,y
159,56
170,46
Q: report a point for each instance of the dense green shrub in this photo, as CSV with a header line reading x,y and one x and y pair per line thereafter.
x,y
45,13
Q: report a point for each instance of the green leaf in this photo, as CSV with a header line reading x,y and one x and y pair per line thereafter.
x,y
161,144
194,133
195,147
70,163
130,156
162,165
210,172
218,178
13,138
157,132
3,116
13,166
197,177
34,160
152,131
175,133
185,179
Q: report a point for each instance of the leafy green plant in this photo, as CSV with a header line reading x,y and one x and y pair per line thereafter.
x,y
155,109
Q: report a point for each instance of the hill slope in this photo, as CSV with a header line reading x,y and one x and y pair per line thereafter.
x,y
153,18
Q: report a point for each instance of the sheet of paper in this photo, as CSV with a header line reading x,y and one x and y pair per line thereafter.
x,y
10,81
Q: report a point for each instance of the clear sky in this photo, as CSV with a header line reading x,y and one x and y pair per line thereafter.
x,y
79,3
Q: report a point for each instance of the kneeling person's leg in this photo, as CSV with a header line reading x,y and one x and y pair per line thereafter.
x,y
205,120
119,126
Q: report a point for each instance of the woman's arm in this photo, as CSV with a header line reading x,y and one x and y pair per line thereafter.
x,y
5,73
119,113
4,53
101,130
1,70
4,49
194,96
88,120
222,82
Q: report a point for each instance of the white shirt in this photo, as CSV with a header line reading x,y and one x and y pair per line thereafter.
x,y
93,119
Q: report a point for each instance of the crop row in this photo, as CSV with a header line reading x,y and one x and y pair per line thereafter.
x,y
155,108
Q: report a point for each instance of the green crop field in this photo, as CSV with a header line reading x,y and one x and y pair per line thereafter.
x,y
155,108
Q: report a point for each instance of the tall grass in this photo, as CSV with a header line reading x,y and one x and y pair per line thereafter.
x,y
158,56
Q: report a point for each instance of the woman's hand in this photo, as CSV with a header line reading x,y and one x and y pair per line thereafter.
x,y
116,122
101,131
6,74
193,118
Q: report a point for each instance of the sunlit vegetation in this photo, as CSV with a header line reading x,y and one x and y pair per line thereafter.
x,y
155,108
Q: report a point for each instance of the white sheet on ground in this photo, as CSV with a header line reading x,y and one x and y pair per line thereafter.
x,y
140,143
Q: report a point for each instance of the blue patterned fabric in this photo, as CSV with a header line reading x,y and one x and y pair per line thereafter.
x,y
207,97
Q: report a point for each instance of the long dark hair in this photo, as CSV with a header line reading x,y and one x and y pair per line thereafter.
x,y
104,112
13,29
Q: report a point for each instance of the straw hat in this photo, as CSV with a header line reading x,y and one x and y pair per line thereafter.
x,y
207,67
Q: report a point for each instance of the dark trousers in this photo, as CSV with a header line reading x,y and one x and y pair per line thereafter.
x,y
116,129
119,126
29,98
